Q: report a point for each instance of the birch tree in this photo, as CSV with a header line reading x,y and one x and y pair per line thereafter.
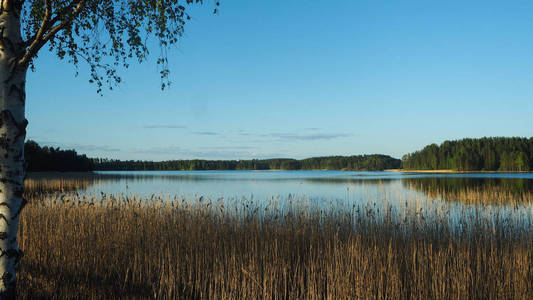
x,y
106,35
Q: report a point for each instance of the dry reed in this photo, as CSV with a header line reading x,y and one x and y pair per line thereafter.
x,y
123,247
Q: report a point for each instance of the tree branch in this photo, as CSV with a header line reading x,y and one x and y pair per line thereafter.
x,y
45,33
33,42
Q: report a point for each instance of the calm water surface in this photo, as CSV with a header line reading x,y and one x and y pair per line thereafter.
x,y
451,195
318,185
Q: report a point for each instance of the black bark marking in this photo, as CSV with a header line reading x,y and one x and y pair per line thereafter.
x,y
6,277
7,180
22,129
10,77
18,258
10,286
4,143
3,217
6,116
3,235
6,42
19,90
11,253
22,204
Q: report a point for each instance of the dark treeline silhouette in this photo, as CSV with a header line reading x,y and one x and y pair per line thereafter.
x,y
484,154
54,159
359,162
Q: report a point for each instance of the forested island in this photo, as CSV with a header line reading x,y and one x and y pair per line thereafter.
x,y
55,159
483,154
374,162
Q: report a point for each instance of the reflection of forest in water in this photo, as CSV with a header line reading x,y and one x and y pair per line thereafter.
x,y
49,182
474,190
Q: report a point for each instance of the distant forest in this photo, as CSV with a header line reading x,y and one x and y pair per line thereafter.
x,y
372,162
54,159
484,154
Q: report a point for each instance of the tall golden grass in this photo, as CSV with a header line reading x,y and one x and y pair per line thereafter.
x,y
476,195
473,195
125,247
50,182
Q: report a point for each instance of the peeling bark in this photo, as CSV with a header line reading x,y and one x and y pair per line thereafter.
x,y
12,134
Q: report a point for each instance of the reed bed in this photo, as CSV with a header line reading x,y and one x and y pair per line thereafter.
x,y
491,191
173,248
49,182
477,195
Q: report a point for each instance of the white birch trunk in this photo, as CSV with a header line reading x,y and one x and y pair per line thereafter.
x,y
12,135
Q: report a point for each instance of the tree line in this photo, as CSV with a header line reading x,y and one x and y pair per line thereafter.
x,y
372,162
483,154
54,159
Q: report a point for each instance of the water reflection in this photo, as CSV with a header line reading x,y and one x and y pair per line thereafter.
x,y
447,197
474,190
322,186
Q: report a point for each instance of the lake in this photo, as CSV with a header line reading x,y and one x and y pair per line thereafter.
x,y
507,194
337,226
315,185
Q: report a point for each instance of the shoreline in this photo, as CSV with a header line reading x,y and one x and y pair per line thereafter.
x,y
33,174
451,171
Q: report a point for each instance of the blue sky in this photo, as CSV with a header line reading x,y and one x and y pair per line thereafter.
x,y
304,78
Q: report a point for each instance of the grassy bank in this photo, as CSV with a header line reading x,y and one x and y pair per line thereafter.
x,y
134,248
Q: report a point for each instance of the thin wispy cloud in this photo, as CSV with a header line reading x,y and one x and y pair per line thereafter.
x,y
298,136
165,127
309,137
231,147
211,133
174,152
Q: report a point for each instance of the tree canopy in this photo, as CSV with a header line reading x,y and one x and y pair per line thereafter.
x,y
484,154
54,159
374,162
106,34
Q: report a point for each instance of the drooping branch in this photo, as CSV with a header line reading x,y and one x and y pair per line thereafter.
x,y
47,30
71,28
44,26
